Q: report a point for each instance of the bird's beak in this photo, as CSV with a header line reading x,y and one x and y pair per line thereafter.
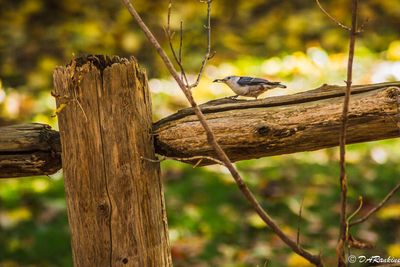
x,y
218,81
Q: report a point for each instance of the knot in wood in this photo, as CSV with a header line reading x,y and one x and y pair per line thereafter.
x,y
393,92
103,209
263,130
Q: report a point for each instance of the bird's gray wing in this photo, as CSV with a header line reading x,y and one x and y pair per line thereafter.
x,y
243,81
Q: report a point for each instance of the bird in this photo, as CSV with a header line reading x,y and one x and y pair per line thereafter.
x,y
249,86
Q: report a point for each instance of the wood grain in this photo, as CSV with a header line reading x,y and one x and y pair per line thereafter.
x,y
115,200
276,125
29,149
282,125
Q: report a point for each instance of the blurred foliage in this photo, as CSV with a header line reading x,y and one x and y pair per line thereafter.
x,y
210,223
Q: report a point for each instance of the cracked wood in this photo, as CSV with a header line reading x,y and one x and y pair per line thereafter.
x,y
29,149
281,125
115,200
247,129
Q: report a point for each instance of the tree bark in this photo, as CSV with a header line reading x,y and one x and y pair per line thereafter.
x,y
115,201
29,149
247,129
281,125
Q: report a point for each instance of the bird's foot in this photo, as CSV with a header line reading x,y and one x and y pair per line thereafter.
x,y
233,97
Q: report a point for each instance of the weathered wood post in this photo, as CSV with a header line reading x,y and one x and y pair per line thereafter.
x,y
115,200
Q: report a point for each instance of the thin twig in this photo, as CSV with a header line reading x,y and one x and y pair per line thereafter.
x,y
208,54
83,111
378,207
360,199
299,221
197,163
342,141
180,42
331,17
169,33
199,158
183,74
315,259
363,25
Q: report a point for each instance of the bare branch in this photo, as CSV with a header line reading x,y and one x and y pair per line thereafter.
x,y
315,259
331,17
360,199
343,238
298,222
170,34
180,43
199,158
183,74
378,207
359,244
208,54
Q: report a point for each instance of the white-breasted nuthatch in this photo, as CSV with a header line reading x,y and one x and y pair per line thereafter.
x,y
249,86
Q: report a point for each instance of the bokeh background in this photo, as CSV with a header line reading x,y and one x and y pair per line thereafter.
x,y
210,223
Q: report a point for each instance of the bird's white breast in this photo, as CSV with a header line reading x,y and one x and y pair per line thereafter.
x,y
240,90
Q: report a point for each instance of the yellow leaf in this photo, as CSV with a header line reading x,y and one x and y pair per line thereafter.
x,y
297,261
9,263
390,212
40,185
255,221
394,250
393,52
59,109
11,218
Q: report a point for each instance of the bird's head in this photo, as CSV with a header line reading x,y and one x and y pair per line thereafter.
x,y
226,79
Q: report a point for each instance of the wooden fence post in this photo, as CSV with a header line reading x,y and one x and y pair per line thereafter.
x,y
115,200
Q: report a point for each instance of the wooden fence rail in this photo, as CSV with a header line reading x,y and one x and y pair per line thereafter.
x,y
29,149
246,129
281,125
